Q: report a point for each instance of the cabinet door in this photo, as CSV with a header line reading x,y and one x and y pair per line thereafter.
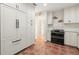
x,y
71,38
73,14
8,29
31,32
22,30
66,15
77,14
21,6
70,15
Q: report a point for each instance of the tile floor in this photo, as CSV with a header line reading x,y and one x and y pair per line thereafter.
x,y
40,47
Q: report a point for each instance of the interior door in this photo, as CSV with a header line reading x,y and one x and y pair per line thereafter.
x,y
8,29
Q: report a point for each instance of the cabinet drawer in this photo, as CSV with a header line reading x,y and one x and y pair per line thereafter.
x,y
11,46
17,46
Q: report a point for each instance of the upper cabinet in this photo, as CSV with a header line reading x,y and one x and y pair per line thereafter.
x,y
77,14
19,6
11,4
50,17
71,15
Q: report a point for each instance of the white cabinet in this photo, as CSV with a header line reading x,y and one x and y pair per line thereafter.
x,y
31,27
8,29
18,6
22,30
71,38
77,14
49,17
15,27
21,7
70,15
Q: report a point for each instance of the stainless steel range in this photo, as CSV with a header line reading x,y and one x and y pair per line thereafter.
x,y
57,36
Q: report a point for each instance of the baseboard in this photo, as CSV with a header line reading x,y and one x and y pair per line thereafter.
x,y
70,46
24,49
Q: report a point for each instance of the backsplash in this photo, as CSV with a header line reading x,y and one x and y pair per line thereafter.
x,y
71,27
56,23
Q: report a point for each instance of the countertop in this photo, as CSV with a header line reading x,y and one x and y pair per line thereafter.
x,y
72,30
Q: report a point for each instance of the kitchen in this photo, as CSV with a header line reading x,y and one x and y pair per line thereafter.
x,y
32,26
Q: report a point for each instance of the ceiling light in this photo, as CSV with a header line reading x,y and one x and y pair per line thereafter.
x,y
45,4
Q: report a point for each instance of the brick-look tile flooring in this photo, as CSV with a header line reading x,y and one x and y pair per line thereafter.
x,y
40,47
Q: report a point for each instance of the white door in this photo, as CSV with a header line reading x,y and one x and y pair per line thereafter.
x,y
77,14
71,38
22,30
8,29
66,15
22,7
73,14
31,32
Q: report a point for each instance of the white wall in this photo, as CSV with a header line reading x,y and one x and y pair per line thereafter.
x,y
56,24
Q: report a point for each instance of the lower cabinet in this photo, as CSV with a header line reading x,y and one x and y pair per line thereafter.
x,y
9,47
71,38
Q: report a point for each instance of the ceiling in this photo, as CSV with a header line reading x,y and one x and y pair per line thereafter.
x,y
53,6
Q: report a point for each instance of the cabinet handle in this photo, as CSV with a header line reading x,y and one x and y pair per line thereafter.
x,y
16,41
17,23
